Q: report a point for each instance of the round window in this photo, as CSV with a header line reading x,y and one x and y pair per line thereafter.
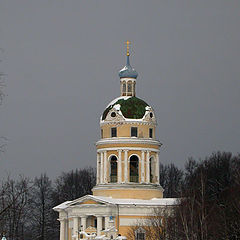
x,y
113,114
151,114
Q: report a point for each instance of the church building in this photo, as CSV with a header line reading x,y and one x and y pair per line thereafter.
x,y
127,187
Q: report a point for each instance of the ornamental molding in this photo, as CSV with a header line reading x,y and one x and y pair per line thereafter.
x,y
132,140
128,149
131,122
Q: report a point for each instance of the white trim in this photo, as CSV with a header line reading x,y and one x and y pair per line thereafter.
x,y
148,169
128,148
142,166
128,121
119,166
128,140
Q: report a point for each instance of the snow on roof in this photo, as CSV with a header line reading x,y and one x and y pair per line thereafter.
x,y
116,99
62,205
151,202
122,201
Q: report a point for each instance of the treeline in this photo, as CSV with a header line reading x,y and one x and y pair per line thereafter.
x,y
26,204
209,208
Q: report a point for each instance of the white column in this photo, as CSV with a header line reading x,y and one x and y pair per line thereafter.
x,y
62,230
99,225
75,227
84,223
106,222
142,166
119,166
98,166
105,167
101,175
147,169
157,168
125,166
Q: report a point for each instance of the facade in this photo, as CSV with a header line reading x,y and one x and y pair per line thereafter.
x,y
127,188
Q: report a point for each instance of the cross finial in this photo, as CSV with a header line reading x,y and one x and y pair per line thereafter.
x,y
128,43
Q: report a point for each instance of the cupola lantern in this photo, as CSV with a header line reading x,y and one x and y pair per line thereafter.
x,y
128,76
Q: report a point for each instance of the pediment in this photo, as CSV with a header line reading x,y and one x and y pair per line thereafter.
x,y
87,200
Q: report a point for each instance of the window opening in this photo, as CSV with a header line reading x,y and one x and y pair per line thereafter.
x,y
113,132
150,132
113,169
129,87
134,131
151,169
134,168
124,87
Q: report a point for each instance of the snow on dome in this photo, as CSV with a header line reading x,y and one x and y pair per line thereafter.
x,y
130,108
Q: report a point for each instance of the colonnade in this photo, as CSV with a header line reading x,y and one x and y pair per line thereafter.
x,y
81,221
123,169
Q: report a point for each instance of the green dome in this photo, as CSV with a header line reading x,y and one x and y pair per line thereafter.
x,y
132,107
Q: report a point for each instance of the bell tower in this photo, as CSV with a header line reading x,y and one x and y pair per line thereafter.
x,y
128,151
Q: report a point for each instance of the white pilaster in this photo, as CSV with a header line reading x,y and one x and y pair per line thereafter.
x,y
101,175
105,167
84,223
148,169
119,166
157,168
98,170
142,166
99,225
75,227
125,166
62,229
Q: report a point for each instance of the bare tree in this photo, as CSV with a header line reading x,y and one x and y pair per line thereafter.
x,y
13,202
41,208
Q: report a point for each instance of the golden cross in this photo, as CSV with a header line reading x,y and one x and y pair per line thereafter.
x,y
128,43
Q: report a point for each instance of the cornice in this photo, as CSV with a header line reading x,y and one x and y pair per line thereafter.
x,y
128,122
131,140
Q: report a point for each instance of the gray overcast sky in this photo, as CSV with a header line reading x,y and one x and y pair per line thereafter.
x,y
62,59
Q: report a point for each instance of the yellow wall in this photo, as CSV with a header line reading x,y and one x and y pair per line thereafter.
x,y
124,130
129,193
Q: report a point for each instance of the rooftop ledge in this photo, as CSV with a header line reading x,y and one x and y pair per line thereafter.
x,y
128,140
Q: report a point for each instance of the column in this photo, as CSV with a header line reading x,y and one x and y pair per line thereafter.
x,y
119,166
142,166
99,225
125,166
157,168
105,167
75,227
101,161
98,166
106,222
147,169
84,223
62,229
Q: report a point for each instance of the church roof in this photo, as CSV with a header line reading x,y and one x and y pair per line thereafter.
x,y
120,201
128,71
129,107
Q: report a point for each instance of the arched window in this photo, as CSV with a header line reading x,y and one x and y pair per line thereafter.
x,y
124,87
134,168
130,87
113,169
140,234
151,169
